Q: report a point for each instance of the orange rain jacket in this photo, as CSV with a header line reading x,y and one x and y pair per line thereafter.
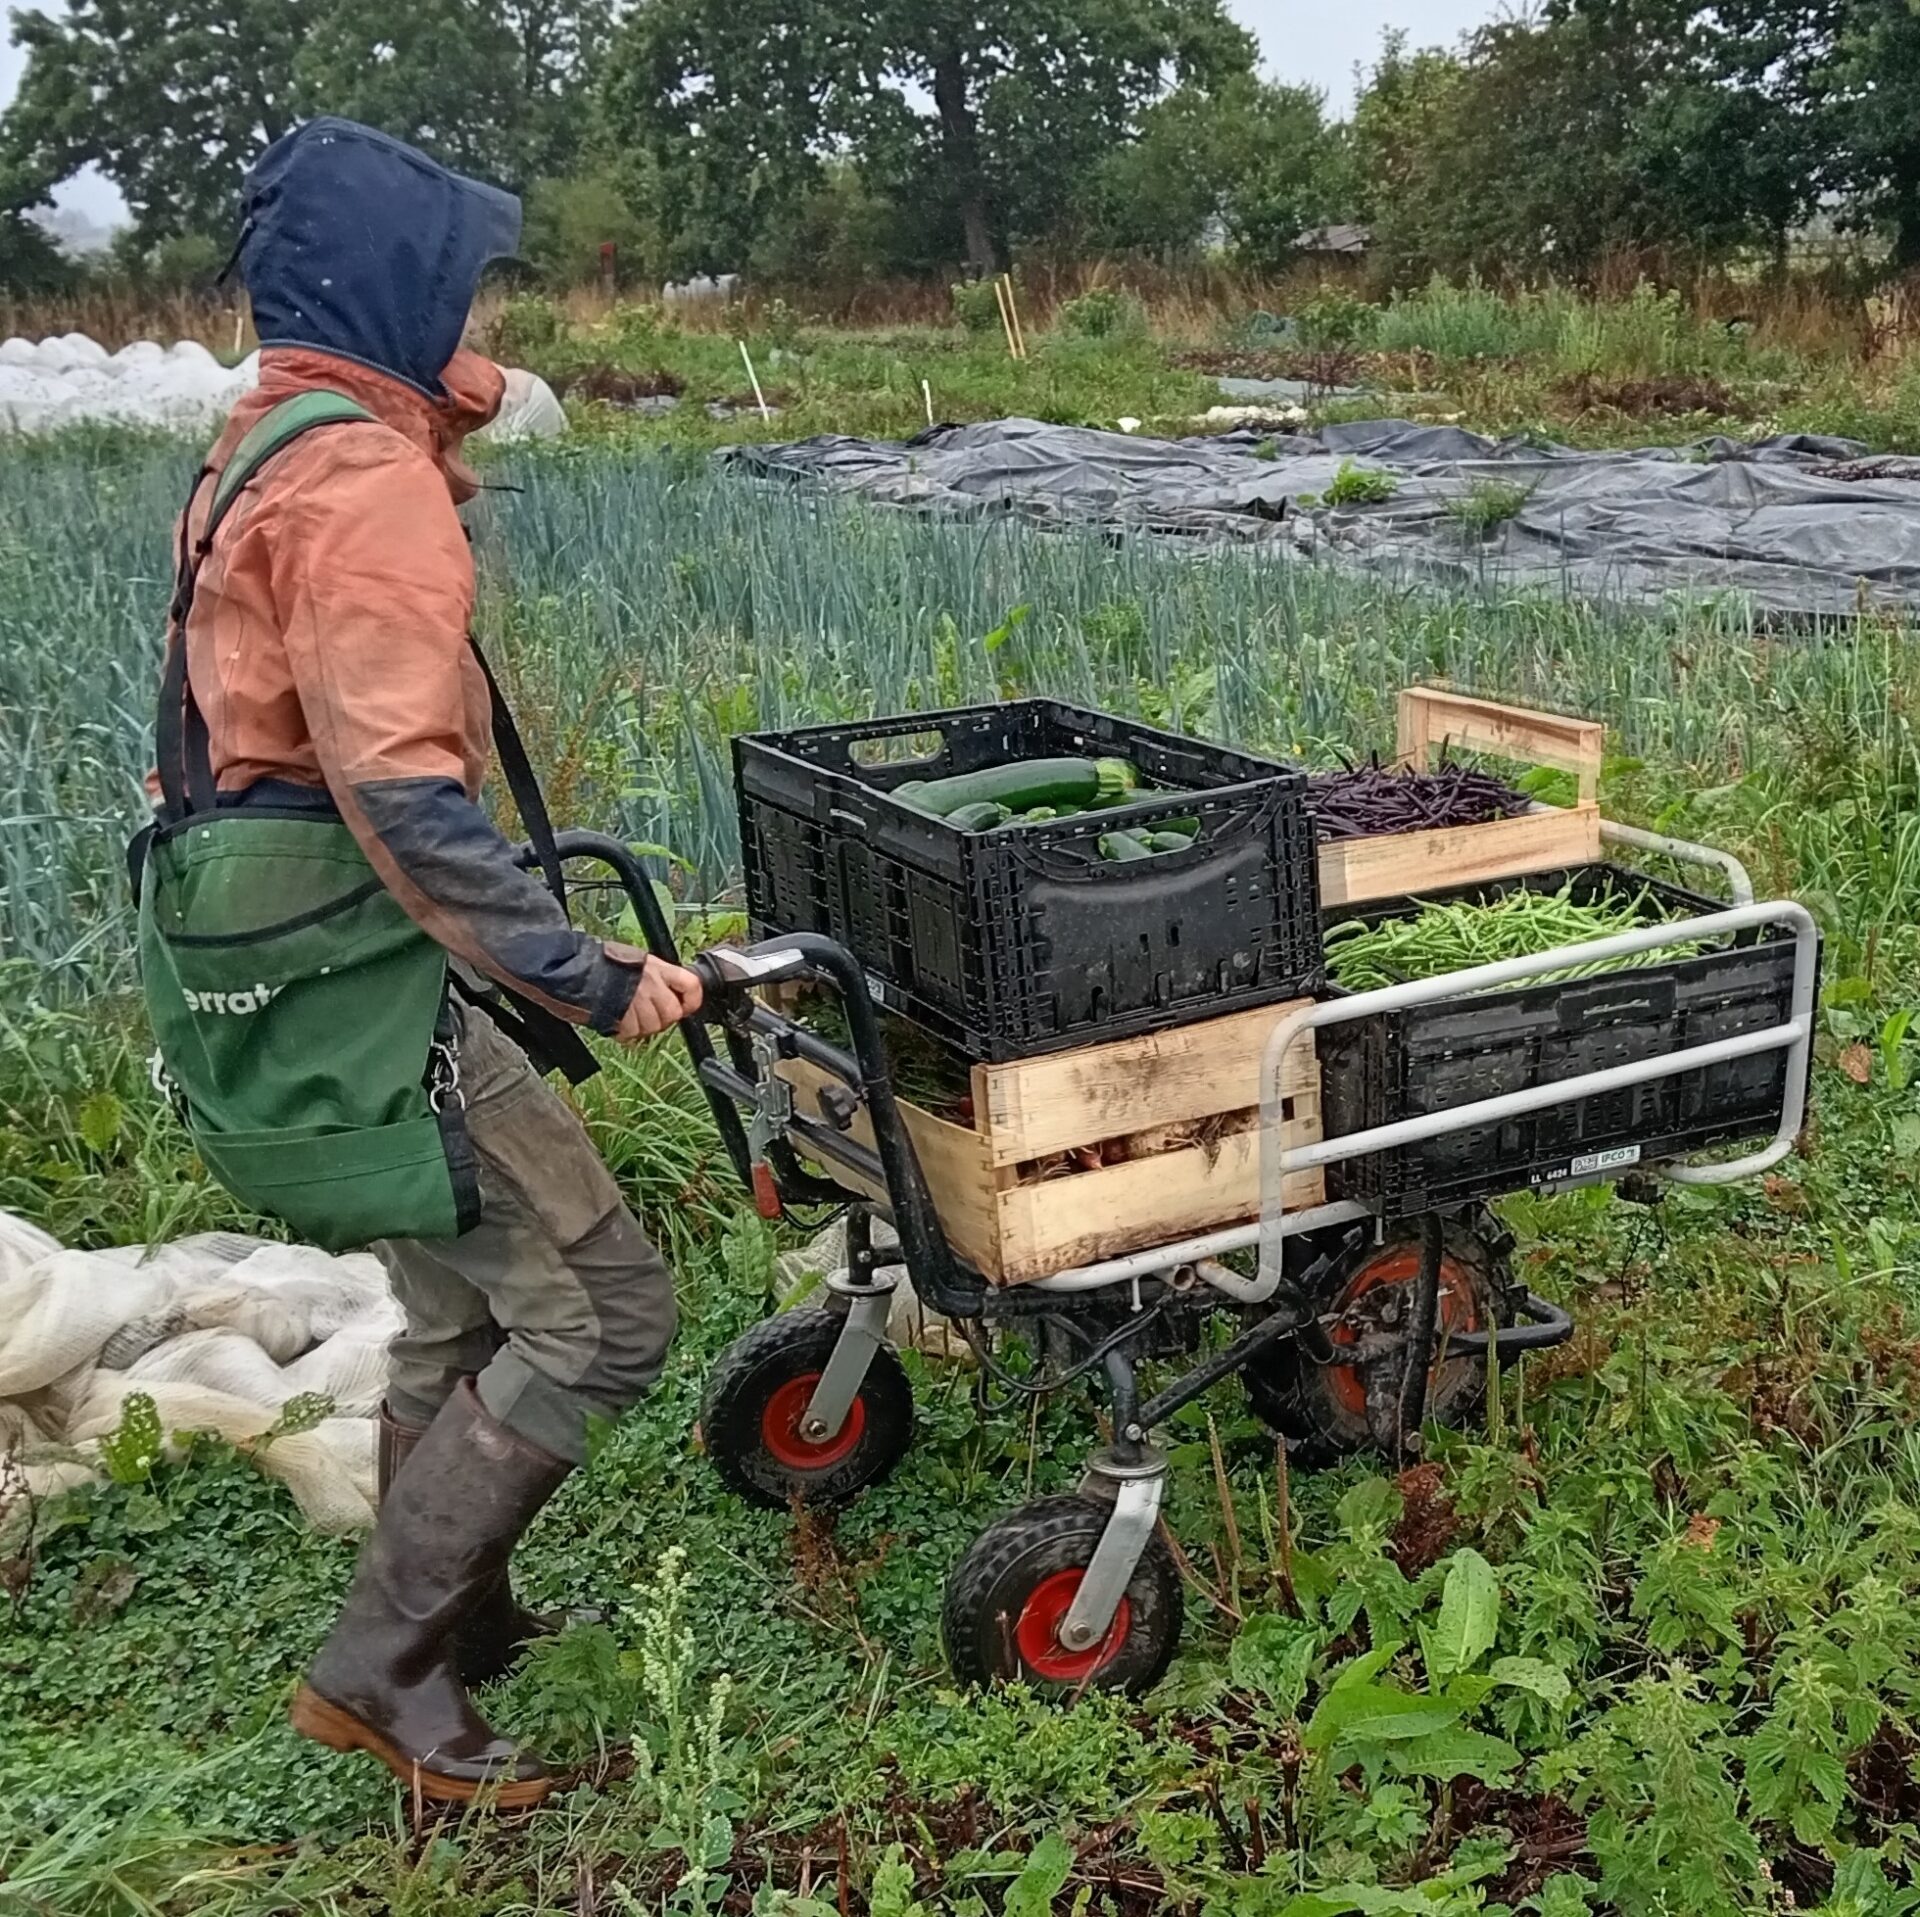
x,y
327,648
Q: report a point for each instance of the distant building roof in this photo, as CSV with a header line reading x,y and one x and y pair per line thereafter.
x,y
1336,239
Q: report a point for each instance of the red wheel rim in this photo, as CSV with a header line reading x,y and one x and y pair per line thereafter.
x,y
780,1428
1037,1634
1400,1266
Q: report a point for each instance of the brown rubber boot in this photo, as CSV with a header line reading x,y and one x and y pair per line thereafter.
x,y
384,1680
494,1635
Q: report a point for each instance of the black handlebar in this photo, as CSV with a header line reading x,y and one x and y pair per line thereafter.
x,y
728,976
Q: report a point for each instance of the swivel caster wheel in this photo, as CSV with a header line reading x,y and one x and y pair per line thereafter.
x,y
755,1410
1009,1596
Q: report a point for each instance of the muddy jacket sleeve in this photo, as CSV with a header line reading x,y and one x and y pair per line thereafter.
x,y
374,585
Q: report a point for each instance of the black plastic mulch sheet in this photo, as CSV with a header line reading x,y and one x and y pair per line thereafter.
x,y
1796,525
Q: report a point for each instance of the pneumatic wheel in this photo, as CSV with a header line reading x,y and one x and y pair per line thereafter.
x,y
1322,1409
1008,1597
758,1394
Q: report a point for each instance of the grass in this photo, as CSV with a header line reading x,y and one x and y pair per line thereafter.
x,y
1695,1526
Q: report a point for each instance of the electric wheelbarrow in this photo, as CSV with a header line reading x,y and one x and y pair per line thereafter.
x,y
1348,1326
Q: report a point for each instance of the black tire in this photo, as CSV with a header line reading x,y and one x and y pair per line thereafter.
x,y
1314,1406
1016,1573
751,1434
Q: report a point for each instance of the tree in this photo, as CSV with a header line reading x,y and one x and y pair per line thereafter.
x,y
990,113
571,216
1867,82
1726,136
1607,126
730,102
497,88
171,105
30,263
1250,163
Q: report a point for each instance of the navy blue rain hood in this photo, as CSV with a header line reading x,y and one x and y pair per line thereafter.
x,y
357,244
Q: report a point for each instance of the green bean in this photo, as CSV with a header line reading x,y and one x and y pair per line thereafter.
x,y
1453,937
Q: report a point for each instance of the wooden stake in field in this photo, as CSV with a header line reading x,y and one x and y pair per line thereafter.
x,y
760,398
1006,316
1013,316
926,393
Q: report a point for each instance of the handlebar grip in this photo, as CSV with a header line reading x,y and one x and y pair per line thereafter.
x,y
724,971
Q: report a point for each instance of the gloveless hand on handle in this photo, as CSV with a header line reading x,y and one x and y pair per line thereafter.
x,y
663,994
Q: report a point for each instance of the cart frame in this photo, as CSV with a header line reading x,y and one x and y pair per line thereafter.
x,y
767,1139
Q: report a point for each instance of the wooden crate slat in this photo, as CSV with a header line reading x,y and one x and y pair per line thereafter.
x,y
1431,715
1014,1232
1060,1223
1034,1107
1354,870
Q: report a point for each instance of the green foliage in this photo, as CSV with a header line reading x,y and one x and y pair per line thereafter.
x,y
985,124
1551,142
1333,318
1356,485
173,106
1470,321
527,327
1026,1756
1107,312
170,106
1393,1733
1488,503
31,265
86,1148
498,88
976,305
1678,1608
130,1451
849,227
1255,160
569,217
1665,1822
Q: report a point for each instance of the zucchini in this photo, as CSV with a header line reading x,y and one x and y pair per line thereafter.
x,y
981,816
1121,847
1169,841
1089,783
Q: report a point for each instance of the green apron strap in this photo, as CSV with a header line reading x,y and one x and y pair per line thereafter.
x,y
182,747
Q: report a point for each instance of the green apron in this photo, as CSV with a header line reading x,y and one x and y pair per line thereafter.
x,y
303,1019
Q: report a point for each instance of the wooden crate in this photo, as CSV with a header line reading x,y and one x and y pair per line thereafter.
x,y
1352,870
1014,1190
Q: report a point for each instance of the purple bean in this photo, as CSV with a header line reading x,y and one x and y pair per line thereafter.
x,y
1371,800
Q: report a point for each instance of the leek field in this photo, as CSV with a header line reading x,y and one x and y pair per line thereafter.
x,y
1702,1517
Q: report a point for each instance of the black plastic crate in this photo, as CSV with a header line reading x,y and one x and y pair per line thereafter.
x,y
1397,1065
1023,940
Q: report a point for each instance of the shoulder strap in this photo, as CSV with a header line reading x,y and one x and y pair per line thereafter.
x,y
273,432
181,744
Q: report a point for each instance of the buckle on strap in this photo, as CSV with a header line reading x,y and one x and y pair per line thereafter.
x,y
442,1079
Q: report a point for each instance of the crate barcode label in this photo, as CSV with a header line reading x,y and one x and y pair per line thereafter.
x,y
1590,1162
876,989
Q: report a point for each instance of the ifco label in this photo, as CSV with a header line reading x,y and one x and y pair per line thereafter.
x,y
1590,1162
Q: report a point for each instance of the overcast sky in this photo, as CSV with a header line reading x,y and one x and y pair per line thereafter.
x,y
1301,40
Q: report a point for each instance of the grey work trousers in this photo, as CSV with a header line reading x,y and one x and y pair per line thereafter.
x,y
556,1301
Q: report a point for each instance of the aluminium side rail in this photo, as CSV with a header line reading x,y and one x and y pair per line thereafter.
x,y
1682,852
1794,1037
